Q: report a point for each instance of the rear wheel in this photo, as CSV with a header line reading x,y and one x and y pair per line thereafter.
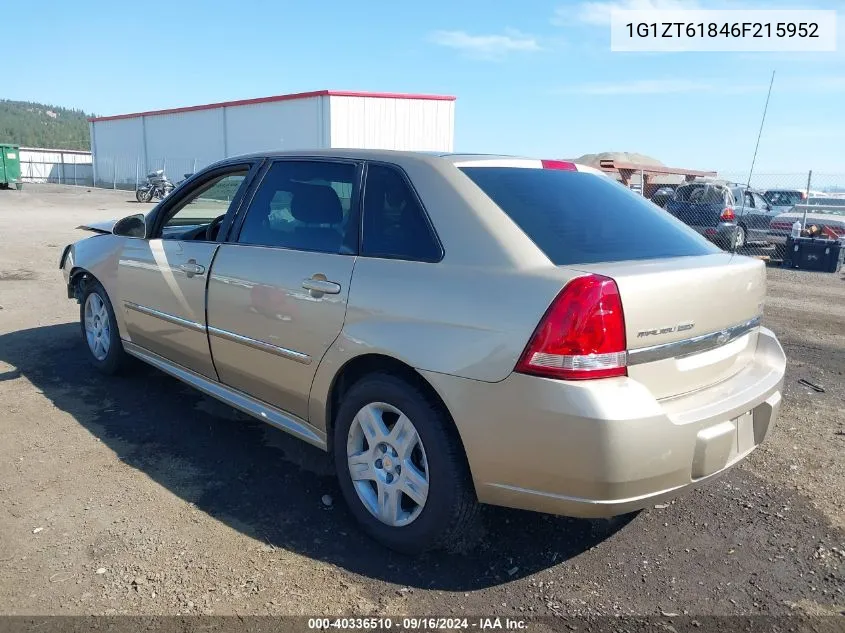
x,y
401,466
739,237
99,329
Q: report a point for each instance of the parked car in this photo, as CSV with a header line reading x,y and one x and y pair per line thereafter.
x,y
782,200
453,329
662,196
826,213
727,214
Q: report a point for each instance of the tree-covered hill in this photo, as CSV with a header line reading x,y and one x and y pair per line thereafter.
x,y
38,125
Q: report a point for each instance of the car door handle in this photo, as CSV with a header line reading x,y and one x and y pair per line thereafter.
x,y
191,268
320,287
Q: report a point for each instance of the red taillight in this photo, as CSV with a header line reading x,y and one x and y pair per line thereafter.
x,y
728,215
582,334
559,164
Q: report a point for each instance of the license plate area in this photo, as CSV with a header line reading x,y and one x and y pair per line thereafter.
x,y
744,433
720,445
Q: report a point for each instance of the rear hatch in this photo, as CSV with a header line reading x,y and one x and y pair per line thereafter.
x,y
690,310
689,322
698,204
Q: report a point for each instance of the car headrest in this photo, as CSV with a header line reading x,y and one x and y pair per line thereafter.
x,y
316,204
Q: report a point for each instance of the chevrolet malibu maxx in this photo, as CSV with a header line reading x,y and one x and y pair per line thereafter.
x,y
452,329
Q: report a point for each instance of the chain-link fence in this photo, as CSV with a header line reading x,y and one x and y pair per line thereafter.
x,y
55,166
756,218
130,172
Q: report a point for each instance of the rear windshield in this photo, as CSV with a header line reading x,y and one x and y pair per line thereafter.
x,y
581,218
783,198
703,193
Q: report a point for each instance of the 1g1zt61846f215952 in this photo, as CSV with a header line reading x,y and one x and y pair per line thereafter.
x,y
713,29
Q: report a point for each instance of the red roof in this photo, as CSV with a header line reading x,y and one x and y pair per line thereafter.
x,y
290,97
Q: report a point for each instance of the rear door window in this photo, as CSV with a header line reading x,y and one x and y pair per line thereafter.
x,y
744,199
395,226
760,202
580,218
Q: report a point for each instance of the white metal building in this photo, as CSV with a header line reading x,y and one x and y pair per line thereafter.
x,y
63,166
181,140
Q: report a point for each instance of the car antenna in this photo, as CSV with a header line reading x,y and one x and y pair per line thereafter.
x,y
757,146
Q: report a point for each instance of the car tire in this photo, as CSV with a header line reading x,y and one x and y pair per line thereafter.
x,y
99,329
450,504
739,237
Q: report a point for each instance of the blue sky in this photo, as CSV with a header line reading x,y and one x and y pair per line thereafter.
x,y
531,77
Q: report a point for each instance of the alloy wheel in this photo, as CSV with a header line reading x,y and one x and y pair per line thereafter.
x,y
739,237
97,326
387,464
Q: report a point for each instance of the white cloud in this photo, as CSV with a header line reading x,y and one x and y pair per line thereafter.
x,y
598,13
486,46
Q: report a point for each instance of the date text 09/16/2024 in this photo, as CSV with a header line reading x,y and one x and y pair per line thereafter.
x,y
417,624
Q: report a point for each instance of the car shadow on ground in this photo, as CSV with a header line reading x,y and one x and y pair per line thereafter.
x,y
265,483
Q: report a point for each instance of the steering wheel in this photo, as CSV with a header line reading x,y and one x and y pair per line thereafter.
x,y
213,226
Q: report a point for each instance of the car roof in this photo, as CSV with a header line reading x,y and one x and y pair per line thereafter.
x,y
717,182
400,157
371,154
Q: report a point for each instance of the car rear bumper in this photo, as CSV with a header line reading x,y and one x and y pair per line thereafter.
x,y
607,447
722,234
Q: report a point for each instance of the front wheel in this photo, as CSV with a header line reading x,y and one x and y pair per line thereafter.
x,y
401,466
99,329
143,195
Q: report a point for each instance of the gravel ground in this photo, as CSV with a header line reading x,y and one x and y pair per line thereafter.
x,y
139,495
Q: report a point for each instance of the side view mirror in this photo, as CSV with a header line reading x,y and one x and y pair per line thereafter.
x,y
131,226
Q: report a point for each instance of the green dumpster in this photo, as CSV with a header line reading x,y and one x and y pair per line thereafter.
x,y
10,167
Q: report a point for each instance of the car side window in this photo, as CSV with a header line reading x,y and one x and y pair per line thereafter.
x,y
395,226
207,202
743,199
304,205
749,200
760,202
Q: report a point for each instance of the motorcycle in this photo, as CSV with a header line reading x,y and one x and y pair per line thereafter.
x,y
158,186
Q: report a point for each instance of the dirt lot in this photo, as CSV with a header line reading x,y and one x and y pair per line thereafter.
x,y
140,495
